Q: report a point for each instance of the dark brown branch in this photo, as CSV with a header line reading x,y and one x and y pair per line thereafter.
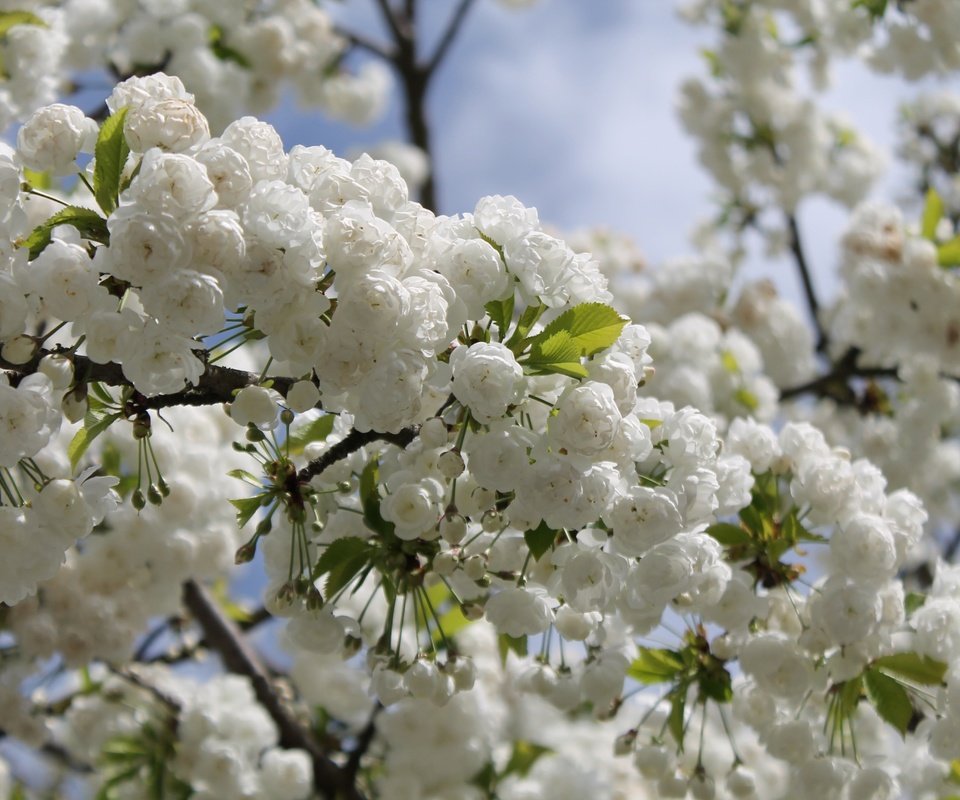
x,y
132,676
835,384
350,443
59,754
362,43
391,19
800,258
952,547
217,384
364,740
449,35
238,657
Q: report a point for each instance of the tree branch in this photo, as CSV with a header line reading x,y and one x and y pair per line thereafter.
x,y
449,35
391,19
362,43
350,443
238,657
217,384
835,384
800,258
364,741
59,754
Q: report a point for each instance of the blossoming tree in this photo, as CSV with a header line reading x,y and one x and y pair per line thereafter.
x,y
532,521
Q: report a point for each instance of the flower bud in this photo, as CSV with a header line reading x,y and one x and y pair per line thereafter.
x,y
453,528
303,396
20,349
445,564
246,552
463,671
492,521
59,369
433,433
315,600
652,761
141,426
475,567
74,405
702,787
623,744
450,464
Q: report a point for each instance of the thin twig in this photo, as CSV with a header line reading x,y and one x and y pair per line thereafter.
x,y
364,741
800,258
59,754
238,657
217,384
352,442
150,639
449,35
391,19
361,42
835,383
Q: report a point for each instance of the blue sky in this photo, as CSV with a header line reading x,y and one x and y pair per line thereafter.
x,y
570,106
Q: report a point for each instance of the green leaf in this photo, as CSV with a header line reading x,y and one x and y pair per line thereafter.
x,y
90,224
243,475
223,51
556,354
85,436
540,540
850,693
316,431
451,622
506,644
10,18
954,776
501,312
932,214
527,320
729,362
238,613
98,390
889,698
38,180
876,8
523,757
729,535
342,559
753,519
948,254
914,667
678,702
655,666
913,601
370,500
246,508
796,531
111,154
715,683
747,399
592,327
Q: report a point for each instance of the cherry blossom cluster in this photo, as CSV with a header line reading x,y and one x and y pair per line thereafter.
x,y
489,508
234,58
765,142
223,743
